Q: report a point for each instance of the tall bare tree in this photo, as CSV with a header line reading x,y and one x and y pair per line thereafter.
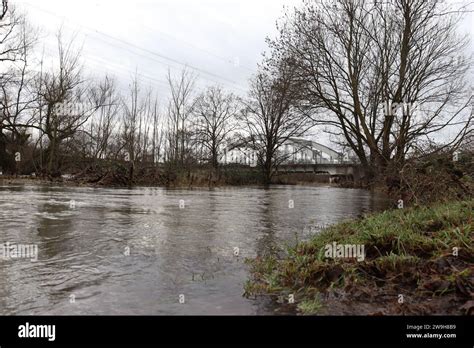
x,y
180,113
157,133
133,108
65,103
354,57
271,116
104,120
16,98
216,114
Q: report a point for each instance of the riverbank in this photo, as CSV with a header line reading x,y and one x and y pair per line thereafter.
x,y
189,181
416,261
28,180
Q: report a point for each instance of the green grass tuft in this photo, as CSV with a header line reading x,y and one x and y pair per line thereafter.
x,y
404,249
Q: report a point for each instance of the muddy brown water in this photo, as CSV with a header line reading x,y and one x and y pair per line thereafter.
x,y
136,251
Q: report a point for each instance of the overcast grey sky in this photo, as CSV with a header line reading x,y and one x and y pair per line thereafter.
x,y
222,41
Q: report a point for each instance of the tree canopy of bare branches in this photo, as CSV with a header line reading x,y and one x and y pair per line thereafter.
x,y
382,75
180,113
271,116
216,114
16,97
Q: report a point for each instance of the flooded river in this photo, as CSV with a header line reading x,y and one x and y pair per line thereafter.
x,y
151,251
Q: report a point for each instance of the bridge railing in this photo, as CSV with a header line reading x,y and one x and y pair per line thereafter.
x,y
319,161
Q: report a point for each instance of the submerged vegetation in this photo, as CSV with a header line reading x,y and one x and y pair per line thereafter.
x,y
417,261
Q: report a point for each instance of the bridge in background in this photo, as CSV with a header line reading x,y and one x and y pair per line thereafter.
x,y
341,170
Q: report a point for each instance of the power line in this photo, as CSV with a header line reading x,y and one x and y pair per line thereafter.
x,y
224,59
118,70
122,71
169,66
235,86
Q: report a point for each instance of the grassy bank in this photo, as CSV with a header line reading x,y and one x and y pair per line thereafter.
x,y
417,261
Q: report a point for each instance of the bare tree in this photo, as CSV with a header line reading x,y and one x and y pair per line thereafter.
x,y
65,103
16,98
271,117
104,121
149,116
157,134
216,114
180,112
355,57
133,107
